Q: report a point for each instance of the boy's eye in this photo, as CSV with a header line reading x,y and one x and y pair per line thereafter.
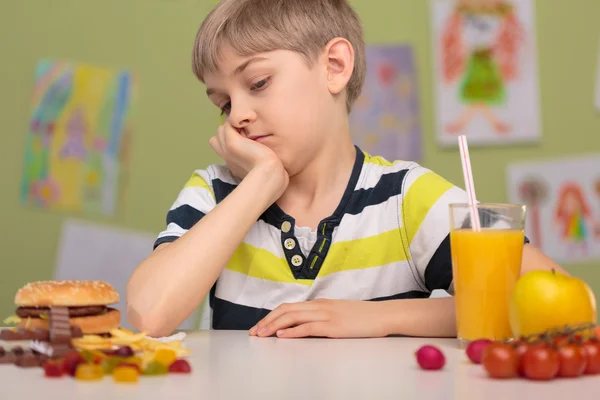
x,y
226,108
260,84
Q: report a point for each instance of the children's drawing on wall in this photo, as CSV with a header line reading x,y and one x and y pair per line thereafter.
x,y
386,119
563,205
78,139
486,71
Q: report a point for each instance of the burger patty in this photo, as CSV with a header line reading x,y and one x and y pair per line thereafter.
x,y
83,311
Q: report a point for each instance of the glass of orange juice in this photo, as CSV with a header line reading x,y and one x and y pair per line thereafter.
x,y
486,263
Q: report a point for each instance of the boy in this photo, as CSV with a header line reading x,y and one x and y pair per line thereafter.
x,y
300,227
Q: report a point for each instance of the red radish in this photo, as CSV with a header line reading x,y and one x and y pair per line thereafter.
x,y
476,348
430,358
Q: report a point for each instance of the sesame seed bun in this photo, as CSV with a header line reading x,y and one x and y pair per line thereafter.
x,y
93,324
66,293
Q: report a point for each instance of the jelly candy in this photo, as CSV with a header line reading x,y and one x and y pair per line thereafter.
x,y
180,366
125,374
130,365
124,351
155,368
71,361
92,356
165,356
53,369
89,372
134,360
108,364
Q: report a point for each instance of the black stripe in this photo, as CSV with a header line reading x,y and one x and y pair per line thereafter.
x,y
184,216
165,239
231,316
413,294
222,189
438,273
389,185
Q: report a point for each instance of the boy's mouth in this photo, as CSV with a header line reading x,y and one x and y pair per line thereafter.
x,y
258,138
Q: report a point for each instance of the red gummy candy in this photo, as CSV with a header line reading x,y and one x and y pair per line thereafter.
x,y
53,369
71,361
180,367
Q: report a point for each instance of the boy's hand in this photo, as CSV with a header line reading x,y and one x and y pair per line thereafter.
x,y
242,155
323,318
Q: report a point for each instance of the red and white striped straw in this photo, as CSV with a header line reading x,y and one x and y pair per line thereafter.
x,y
469,186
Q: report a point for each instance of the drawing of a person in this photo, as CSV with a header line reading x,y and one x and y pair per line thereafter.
x,y
573,217
480,46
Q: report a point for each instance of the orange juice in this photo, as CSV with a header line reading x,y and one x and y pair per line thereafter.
x,y
486,266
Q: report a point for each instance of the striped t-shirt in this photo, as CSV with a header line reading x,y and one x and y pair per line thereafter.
x,y
387,239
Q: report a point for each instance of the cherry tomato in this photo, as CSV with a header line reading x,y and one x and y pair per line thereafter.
x,y
592,351
500,360
560,341
540,362
520,347
573,361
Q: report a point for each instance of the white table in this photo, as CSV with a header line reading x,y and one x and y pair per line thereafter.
x,y
232,365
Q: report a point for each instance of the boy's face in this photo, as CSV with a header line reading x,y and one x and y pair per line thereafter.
x,y
275,98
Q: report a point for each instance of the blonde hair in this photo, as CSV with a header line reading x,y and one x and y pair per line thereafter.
x,y
302,26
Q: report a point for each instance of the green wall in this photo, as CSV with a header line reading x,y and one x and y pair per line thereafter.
x,y
174,120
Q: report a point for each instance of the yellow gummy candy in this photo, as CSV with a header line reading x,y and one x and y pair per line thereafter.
x,y
165,356
89,372
125,374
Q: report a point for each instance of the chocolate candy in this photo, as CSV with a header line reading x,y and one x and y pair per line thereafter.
x,y
24,334
7,357
36,334
60,329
9,334
29,359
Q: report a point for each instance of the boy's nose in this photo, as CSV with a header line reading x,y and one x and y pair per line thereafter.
x,y
241,118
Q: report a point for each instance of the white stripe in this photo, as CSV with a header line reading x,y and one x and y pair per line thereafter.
x,y
242,289
172,230
222,173
265,236
197,197
367,283
374,220
371,173
363,284
434,229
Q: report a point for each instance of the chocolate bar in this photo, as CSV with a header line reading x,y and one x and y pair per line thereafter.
x,y
60,329
36,334
29,359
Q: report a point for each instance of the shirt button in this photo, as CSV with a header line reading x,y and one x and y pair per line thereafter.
x,y
286,226
290,244
297,261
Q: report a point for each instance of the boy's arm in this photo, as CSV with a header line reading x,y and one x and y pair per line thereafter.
x,y
172,282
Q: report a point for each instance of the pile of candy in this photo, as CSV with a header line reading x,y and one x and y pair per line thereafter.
x,y
122,364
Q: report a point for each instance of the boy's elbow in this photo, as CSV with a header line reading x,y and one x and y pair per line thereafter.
x,y
154,324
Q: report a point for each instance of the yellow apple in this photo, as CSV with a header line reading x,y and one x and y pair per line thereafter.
x,y
544,300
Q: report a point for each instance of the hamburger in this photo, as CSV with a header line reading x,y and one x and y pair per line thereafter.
x,y
87,303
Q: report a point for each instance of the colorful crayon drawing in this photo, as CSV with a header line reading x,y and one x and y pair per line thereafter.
x,y
563,205
385,119
485,70
573,218
78,139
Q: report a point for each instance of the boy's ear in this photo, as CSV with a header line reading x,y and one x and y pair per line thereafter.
x,y
339,59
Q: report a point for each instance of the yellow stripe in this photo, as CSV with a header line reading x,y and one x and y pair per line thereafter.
x,y
197,181
418,200
378,160
262,264
373,251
